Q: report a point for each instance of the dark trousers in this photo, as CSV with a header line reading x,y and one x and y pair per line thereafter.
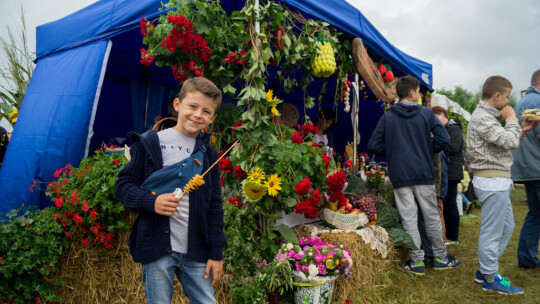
x,y
451,213
530,232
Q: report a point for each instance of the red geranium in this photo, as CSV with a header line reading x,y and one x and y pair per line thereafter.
x,y
239,173
302,188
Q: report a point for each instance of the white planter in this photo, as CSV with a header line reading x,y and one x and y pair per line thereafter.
x,y
315,293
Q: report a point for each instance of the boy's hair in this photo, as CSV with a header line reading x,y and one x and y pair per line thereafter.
x,y
405,84
289,114
326,114
495,84
203,85
438,110
535,79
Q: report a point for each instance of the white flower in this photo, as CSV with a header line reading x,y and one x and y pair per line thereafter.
x,y
313,270
290,246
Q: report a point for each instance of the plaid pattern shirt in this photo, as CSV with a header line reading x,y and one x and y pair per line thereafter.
x,y
489,144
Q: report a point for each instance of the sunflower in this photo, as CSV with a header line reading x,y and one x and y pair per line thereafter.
x,y
275,112
256,175
270,97
273,184
13,115
253,191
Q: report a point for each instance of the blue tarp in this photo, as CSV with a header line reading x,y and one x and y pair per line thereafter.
x,y
56,123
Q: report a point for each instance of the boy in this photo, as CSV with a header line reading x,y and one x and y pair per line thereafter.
x,y
454,173
289,115
170,235
526,169
403,137
490,148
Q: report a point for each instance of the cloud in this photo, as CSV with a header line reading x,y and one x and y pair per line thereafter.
x,y
465,41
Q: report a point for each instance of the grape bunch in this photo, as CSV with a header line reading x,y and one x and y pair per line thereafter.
x,y
367,205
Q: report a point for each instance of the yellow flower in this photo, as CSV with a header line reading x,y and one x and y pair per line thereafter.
x,y
256,176
252,191
273,184
270,97
275,112
14,115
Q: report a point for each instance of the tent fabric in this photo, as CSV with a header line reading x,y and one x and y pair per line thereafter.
x,y
449,104
52,127
108,17
55,126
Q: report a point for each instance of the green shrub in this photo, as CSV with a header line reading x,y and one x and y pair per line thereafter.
x,y
30,248
85,198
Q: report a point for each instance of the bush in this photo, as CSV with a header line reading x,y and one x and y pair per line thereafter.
x,y
85,198
30,248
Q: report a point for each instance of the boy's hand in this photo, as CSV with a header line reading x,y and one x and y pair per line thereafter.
x,y
217,270
507,112
528,125
166,204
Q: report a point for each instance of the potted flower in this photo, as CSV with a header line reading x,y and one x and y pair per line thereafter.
x,y
278,279
316,265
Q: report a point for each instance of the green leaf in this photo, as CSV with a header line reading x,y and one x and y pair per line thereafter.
x,y
289,201
288,234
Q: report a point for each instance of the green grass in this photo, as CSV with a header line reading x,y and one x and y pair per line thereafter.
x,y
457,285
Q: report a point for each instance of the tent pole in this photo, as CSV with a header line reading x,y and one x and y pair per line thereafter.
x,y
257,24
355,121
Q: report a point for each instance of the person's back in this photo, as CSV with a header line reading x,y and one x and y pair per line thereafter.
x,y
403,137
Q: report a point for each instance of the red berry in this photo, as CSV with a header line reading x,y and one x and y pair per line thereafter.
x,y
381,68
389,76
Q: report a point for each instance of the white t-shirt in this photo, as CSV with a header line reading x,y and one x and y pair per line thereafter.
x,y
321,138
492,183
175,147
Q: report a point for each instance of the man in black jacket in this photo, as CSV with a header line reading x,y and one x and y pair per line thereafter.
x,y
454,152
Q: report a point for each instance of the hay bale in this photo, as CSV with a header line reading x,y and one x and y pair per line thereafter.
x,y
95,275
367,264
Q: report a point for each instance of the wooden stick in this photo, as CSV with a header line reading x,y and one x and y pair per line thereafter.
x,y
223,155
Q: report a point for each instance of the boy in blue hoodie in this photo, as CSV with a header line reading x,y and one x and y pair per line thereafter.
x,y
171,235
403,136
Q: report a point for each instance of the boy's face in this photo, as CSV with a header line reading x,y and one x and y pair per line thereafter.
x,y
195,112
500,99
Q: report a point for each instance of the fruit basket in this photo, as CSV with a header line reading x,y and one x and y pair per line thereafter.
x,y
360,211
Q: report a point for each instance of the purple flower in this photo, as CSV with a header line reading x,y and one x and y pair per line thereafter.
x,y
305,268
297,264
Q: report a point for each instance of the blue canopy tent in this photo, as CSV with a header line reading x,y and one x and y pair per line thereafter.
x,y
88,87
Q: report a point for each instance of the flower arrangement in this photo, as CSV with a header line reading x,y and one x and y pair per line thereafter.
x,y
313,258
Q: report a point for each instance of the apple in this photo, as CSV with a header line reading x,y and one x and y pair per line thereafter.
x,y
348,206
355,210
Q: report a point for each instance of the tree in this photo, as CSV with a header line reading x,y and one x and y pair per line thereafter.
x,y
466,99
16,72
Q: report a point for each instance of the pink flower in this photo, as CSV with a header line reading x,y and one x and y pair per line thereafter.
x,y
319,257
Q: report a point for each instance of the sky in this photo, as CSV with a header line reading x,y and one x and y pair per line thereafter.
x,y
465,41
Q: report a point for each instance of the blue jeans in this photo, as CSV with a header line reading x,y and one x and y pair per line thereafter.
x,y
158,279
530,232
496,227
